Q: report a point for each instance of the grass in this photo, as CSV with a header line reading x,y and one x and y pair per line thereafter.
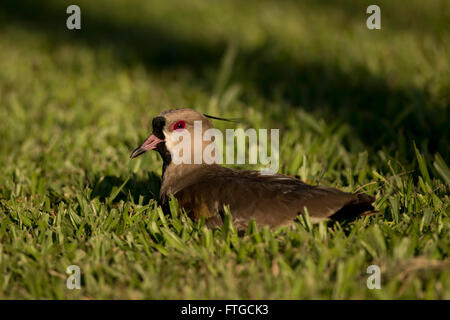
x,y
357,109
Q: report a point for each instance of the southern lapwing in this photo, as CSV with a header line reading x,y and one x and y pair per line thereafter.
x,y
271,200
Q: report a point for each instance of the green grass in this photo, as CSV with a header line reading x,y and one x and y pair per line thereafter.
x,y
357,109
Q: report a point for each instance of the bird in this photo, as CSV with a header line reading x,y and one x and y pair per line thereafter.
x,y
207,189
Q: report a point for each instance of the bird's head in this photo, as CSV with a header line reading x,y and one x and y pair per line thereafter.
x,y
171,129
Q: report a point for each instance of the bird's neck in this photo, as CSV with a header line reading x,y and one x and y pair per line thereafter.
x,y
178,176
166,157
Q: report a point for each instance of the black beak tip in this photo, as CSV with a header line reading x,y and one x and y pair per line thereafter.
x,y
136,152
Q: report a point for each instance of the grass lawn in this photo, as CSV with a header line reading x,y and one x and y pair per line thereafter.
x,y
357,109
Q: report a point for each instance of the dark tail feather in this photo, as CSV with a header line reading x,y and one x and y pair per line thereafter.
x,y
360,206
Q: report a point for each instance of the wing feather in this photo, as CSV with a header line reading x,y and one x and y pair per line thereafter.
x,y
270,200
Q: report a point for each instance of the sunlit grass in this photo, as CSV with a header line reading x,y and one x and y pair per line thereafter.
x,y
357,109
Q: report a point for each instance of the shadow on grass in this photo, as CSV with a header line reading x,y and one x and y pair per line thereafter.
x,y
148,44
137,188
378,114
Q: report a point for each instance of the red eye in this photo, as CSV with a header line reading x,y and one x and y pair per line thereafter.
x,y
179,125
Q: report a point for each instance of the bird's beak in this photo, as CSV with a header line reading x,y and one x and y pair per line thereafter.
x,y
149,144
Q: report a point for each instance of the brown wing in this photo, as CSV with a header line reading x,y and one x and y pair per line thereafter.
x,y
268,199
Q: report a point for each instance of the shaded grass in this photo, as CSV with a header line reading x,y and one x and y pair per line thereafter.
x,y
349,102
393,79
